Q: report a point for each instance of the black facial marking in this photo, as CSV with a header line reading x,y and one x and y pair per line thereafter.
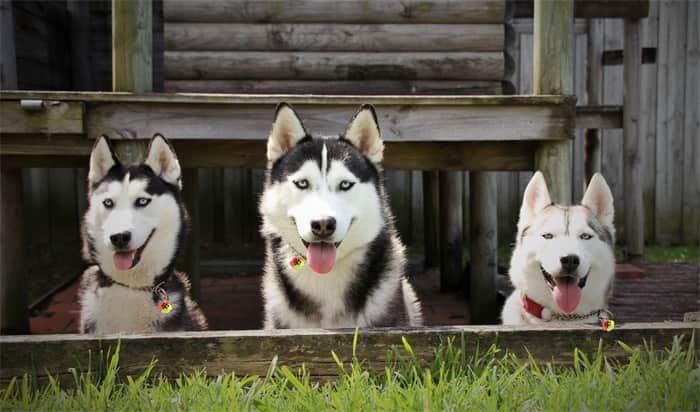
x,y
602,233
296,298
338,149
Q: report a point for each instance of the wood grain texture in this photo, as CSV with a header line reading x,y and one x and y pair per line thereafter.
x,y
632,156
451,238
181,65
54,118
431,218
333,37
344,87
691,137
670,121
599,117
132,45
483,307
8,56
342,11
250,352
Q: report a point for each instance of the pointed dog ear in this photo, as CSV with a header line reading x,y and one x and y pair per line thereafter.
x,y
102,159
535,199
599,199
363,133
286,132
162,160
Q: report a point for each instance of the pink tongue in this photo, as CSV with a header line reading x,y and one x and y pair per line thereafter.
x,y
567,294
321,256
123,260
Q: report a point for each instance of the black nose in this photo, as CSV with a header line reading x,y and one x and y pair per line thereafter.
x,y
569,263
121,240
323,227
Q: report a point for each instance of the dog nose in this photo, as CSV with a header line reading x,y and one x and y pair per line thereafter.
x,y
569,263
121,240
323,227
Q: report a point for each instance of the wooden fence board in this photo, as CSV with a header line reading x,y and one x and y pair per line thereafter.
x,y
342,11
669,120
250,352
691,144
647,126
333,37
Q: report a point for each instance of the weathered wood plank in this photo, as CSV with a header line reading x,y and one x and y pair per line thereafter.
x,y
190,185
351,87
669,121
599,117
342,11
8,56
132,45
333,37
431,218
593,9
250,352
74,152
632,156
553,45
14,318
483,307
184,65
690,234
451,238
49,117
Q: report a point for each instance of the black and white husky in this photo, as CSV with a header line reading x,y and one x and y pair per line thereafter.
x,y
563,264
333,258
132,231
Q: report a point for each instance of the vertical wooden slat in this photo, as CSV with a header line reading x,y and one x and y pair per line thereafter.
x,y
647,126
578,181
190,187
80,33
691,140
466,208
431,221
398,187
416,208
632,158
594,77
217,212
484,248
450,231
669,120
553,31
611,144
8,58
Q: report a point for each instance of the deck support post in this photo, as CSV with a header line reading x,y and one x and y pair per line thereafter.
x,y
553,45
483,247
632,172
451,187
431,218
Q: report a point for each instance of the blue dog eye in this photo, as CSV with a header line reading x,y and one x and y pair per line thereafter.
x,y
142,201
585,236
108,203
346,185
302,184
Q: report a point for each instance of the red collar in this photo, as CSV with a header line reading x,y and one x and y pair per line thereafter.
x,y
532,307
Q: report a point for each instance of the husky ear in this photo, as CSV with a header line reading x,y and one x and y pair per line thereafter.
x,y
535,199
102,158
599,199
286,132
363,132
162,160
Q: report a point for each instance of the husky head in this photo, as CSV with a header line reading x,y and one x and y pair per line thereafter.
x,y
564,254
323,196
135,219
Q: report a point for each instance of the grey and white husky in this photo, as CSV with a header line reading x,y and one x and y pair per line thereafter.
x,y
563,264
333,257
132,232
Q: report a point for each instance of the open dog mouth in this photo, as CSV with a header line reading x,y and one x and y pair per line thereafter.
x,y
127,259
321,255
565,289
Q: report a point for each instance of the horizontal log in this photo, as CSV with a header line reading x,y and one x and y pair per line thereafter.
x,y
599,117
333,37
334,66
353,87
615,57
74,151
340,11
595,9
250,352
48,117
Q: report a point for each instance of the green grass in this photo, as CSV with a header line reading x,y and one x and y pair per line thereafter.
x,y
458,379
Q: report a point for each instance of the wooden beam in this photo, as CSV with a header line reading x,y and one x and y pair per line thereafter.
x,y
483,307
41,117
553,46
451,237
632,152
280,65
594,9
342,87
599,117
616,57
342,11
251,352
334,37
